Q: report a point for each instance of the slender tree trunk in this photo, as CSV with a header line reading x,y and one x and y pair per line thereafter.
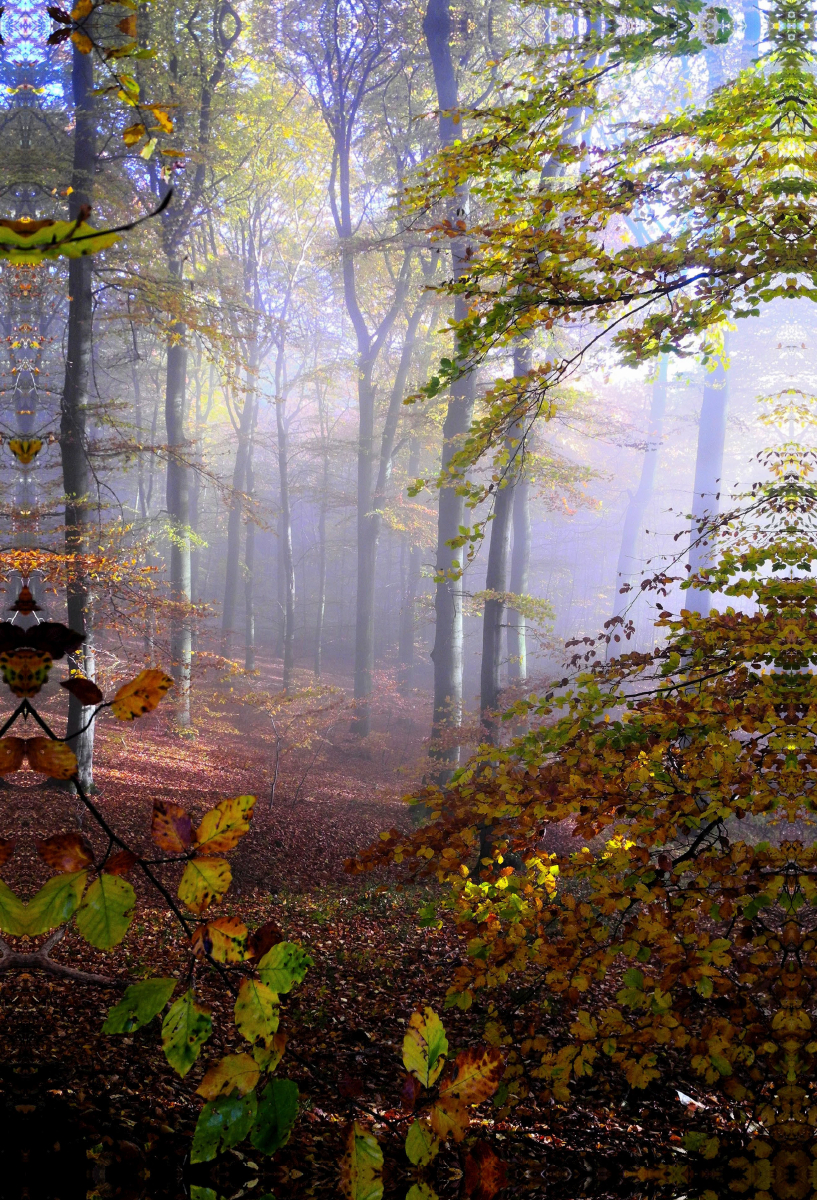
x,y
708,473
411,586
520,554
321,598
520,564
249,578
245,431
493,621
178,510
447,654
74,410
286,527
640,498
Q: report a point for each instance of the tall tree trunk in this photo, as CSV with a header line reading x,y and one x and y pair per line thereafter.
x,y
520,554
321,598
288,563
249,577
520,564
493,621
640,498
74,409
708,472
447,654
233,564
411,585
178,509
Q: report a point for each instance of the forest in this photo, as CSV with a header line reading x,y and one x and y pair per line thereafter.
x,y
408,767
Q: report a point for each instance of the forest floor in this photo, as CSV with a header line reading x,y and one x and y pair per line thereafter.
x,y
87,1114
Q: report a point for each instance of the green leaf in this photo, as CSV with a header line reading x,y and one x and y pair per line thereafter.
x,y
256,1011
283,966
222,1123
105,914
139,1005
277,1111
201,1193
55,903
13,913
362,1166
425,1046
185,1029
421,1144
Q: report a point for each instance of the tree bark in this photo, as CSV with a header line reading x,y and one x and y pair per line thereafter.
x,y
411,585
249,577
493,621
288,562
708,472
448,635
321,598
233,564
520,564
640,498
76,472
178,510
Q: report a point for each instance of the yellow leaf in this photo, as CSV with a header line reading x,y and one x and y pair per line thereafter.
x,y
133,134
141,695
204,880
223,826
361,1168
425,1047
25,450
224,939
256,1012
234,1072
81,10
162,117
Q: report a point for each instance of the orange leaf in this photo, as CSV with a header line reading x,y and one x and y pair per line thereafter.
x,y
50,757
127,26
141,695
65,852
172,829
478,1074
12,753
82,42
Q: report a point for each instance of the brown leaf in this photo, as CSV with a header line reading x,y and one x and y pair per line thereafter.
x,y
25,602
263,939
85,690
485,1174
6,849
120,863
409,1092
172,829
12,753
51,757
65,852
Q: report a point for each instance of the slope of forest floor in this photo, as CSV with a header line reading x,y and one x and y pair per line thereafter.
x,y
114,1104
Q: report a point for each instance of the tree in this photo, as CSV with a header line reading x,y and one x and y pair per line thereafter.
x,y
665,940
